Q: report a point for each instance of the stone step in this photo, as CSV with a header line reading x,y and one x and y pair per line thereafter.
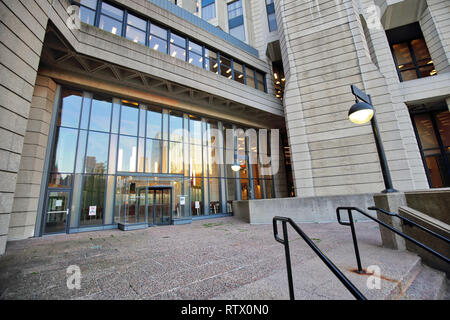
x,y
314,281
427,284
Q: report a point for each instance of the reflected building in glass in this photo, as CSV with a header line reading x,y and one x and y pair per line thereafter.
x,y
128,164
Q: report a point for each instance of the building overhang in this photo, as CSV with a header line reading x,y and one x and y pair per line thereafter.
x,y
61,62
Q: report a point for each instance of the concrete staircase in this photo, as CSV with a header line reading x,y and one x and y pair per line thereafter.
x,y
426,284
402,277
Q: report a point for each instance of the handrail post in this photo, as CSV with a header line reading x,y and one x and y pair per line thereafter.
x,y
288,261
355,240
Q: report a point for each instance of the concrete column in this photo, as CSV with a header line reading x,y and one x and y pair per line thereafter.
x,y
390,202
29,178
22,31
438,12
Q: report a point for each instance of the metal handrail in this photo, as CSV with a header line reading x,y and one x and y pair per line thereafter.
x,y
408,221
285,241
355,241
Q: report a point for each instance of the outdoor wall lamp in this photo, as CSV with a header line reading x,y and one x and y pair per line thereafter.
x,y
362,112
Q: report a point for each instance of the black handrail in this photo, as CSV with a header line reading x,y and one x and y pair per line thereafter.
x,y
410,222
285,241
355,241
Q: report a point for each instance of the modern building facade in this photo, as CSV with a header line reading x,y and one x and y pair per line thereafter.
x,y
129,114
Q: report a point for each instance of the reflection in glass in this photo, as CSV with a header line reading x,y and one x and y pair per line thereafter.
x,y
69,115
129,119
64,157
100,114
126,160
176,157
60,180
176,126
97,153
154,119
153,156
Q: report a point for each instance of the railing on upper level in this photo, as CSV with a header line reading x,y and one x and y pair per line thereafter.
x,y
285,241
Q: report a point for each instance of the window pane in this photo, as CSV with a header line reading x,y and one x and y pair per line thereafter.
x,y
135,35
272,22
238,32
129,120
195,59
92,208
176,158
211,61
409,75
238,72
158,44
153,156
89,3
158,31
196,160
58,180
214,196
195,128
225,67
110,25
126,160
64,158
260,79
420,50
112,11
97,153
443,123
176,126
100,114
177,52
154,119
137,22
195,48
178,40
402,54
87,15
71,107
209,12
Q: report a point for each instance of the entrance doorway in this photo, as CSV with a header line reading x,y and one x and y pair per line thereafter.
x,y
57,211
153,204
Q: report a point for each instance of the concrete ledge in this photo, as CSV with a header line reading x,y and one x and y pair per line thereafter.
x,y
301,210
432,202
127,227
433,224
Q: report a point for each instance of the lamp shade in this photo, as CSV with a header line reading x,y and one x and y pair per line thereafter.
x,y
236,167
360,112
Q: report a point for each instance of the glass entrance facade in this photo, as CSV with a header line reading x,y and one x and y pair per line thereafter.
x,y
113,155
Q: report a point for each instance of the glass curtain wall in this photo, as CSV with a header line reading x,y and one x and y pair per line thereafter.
x,y
112,152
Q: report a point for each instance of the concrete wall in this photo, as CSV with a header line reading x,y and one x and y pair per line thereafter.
x,y
29,178
326,47
301,210
434,203
22,31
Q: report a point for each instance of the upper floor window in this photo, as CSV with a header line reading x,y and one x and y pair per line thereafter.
x,y
236,20
136,29
410,52
144,31
111,19
87,11
271,15
208,9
